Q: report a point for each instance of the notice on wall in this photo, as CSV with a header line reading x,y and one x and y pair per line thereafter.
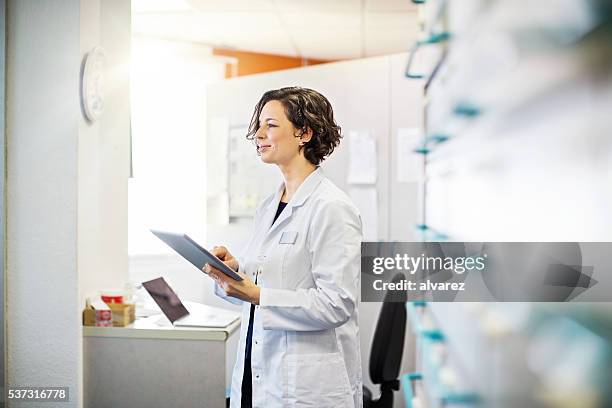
x,y
409,164
366,201
244,166
362,161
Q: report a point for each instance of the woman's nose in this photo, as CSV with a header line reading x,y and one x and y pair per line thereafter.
x,y
260,134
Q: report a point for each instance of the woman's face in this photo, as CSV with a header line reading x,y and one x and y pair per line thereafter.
x,y
276,138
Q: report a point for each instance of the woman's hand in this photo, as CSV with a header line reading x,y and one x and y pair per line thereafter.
x,y
245,289
224,255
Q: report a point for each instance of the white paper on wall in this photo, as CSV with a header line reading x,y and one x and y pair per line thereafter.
x,y
362,160
366,201
216,155
244,166
409,163
216,169
243,163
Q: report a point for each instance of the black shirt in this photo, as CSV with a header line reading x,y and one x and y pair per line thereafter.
x,y
247,375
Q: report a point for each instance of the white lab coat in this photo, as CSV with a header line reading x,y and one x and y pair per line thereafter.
x,y
305,348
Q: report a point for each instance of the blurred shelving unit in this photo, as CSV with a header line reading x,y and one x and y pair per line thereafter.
x,y
518,147
517,119
509,355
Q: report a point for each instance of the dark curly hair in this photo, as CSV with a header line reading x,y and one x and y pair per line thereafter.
x,y
305,109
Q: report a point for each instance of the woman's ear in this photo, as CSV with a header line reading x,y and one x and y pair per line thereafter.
x,y
305,136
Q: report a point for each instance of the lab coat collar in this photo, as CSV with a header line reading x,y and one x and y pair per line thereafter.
x,y
301,195
303,191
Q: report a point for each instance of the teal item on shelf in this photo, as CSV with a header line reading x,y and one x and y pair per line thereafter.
x,y
432,39
460,399
428,337
440,237
430,234
406,381
437,138
467,110
414,76
415,323
440,391
435,38
427,141
430,369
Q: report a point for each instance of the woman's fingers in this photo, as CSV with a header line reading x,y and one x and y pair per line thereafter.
x,y
223,282
220,252
211,271
245,289
230,286
219,277
208,268
216,274
215,277
225,256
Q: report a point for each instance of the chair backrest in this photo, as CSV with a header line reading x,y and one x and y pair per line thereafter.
x,y
388,341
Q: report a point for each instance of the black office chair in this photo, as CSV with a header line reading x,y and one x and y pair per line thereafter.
x,y
387,350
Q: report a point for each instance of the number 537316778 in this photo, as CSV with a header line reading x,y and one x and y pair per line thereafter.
x,y
38,393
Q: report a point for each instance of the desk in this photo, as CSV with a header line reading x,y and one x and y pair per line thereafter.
x,y
148,365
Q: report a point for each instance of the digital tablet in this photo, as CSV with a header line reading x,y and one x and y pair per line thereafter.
x,y
194,253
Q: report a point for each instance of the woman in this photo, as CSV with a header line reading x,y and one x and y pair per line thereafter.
x,y
299,344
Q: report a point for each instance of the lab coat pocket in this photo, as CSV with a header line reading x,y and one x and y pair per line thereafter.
x,y
317,380
296,271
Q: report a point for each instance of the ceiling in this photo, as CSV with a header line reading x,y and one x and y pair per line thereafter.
x,y
319,29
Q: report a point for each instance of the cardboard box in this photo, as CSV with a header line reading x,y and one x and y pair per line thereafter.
x,y
89,316
123,314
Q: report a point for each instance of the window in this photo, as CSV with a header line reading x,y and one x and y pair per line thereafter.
x,y
168,187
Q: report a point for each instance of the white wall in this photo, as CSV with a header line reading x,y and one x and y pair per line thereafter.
x,y
367,94
66,183
103,153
